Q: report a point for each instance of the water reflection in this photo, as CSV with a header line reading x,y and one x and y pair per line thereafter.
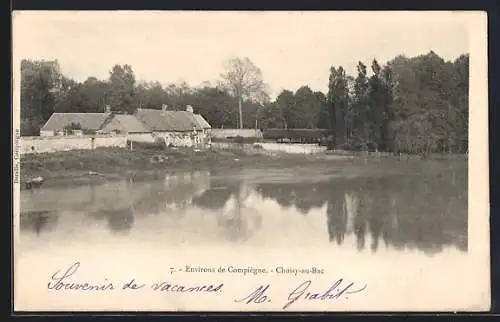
x,y
38,221
425,212
119,221
403,211
232,204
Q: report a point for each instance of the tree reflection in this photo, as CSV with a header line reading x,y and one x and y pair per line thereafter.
x,y
120,221
303,196
309,196
228,198
336,214
420,210
360,220
38,221
239,221
217,195
423,211
152,200
282,193
376,207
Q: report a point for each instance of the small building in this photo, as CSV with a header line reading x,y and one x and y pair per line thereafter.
x,y
74,123
177,128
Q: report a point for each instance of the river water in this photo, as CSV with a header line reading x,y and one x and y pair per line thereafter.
x,y
361,210
417,210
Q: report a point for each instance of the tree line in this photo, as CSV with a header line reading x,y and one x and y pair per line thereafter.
x,y
410,104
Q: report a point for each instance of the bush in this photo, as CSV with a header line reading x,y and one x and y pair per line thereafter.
x,y
257,146
327,141
87,132
158,144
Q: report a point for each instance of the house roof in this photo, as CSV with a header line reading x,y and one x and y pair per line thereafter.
x,y
90,121
158,120
201,121
131,124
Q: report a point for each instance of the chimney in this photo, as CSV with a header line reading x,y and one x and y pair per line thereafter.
x,y
189,108
107,109
164,107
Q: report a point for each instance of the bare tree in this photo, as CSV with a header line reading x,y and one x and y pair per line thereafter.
x,y
243,80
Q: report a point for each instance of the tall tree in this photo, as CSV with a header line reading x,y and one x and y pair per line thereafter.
x,y
323,117
360,108
270,116
460,101
121,95
379,99
65,95
215,105
286,105
425,113
306,108
179,95
386,99
151,95
338,97
243,80
94,93
40,83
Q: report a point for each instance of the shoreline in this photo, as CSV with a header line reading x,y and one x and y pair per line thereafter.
x,y
108,164
80,167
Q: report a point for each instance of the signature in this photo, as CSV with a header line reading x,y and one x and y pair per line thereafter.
x,y
257,296
338,290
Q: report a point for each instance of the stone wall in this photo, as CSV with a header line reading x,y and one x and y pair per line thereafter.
x,y
227,133
141,137
270,148
47,133
185,139
206,138
45,144
294,148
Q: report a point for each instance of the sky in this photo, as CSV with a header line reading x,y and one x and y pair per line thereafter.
x,y
291,48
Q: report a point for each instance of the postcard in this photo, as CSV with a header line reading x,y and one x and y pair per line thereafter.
x,y
250,161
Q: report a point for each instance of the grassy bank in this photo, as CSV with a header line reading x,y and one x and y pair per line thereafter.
x,y
143,163
86,166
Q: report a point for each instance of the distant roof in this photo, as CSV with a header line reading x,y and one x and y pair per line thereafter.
x,y
131,124
90,121
201,121
179,121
